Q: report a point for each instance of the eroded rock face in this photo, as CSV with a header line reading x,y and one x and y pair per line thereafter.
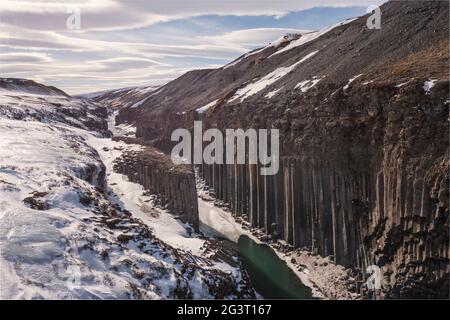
x,y
26,100
368,187
66,234
363,173
173,184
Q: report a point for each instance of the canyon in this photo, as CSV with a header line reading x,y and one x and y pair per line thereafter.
x,y
88,181
363,120
72,226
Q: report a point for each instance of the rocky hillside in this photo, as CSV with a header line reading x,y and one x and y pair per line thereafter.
x,y
72,228
121,98
30,87
363,118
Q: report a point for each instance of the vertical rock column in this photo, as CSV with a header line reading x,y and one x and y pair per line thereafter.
x,y
174,185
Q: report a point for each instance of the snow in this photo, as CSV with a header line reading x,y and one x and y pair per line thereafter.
x,y
50,109
165,226
244,56
33,245
305,85
267,80
68,250
216,222
309,55
308,37
286,38
206,107
15,87
96,94
351,80
428,85
139,103
275,44
272,93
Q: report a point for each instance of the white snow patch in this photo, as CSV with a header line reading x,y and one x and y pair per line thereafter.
x,y
121,130
351,80
206,107
216,222
304,86
267,80
138,104
274,44
308,37
272,93
428,85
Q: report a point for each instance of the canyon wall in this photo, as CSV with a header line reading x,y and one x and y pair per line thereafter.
x,y
174,185
365,181
394,220
363,120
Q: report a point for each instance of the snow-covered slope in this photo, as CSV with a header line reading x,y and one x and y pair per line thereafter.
x,y
71,228
52,109
132,97
29,86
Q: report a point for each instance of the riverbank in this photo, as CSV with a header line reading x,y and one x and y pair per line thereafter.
x,y
326,279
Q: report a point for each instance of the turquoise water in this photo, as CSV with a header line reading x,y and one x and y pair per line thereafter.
x,y
270,276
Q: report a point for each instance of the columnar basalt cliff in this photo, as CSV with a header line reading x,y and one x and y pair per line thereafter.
x,y
173,184
363,119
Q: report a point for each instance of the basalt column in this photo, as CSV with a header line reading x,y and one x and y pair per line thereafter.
x,y
174,185
388,217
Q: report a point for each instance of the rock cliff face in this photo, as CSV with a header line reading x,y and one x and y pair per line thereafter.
x,y
30,87
363,120
173,184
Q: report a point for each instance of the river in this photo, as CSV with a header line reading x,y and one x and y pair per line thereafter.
x,y
271,276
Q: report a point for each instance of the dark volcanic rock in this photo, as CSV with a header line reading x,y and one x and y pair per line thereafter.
x,y
174,185
364,172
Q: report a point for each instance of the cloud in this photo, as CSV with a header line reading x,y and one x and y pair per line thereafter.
x,y
25,57
122,14
25,39
136,42
250,37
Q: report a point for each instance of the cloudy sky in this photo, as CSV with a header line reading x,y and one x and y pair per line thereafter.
x,y
124,43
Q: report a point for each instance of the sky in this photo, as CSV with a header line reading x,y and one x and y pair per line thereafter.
x,y
85,45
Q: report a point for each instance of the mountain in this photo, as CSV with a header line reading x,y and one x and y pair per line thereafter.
x,y
27,100
73,228
132,97
363,120
29,86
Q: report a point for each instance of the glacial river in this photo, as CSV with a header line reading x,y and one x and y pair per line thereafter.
x,y
271,277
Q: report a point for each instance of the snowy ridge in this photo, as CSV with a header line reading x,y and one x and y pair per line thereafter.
x,y
255,87
71,228
275,44
308,37
130,97
206,107
25,86
52,109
